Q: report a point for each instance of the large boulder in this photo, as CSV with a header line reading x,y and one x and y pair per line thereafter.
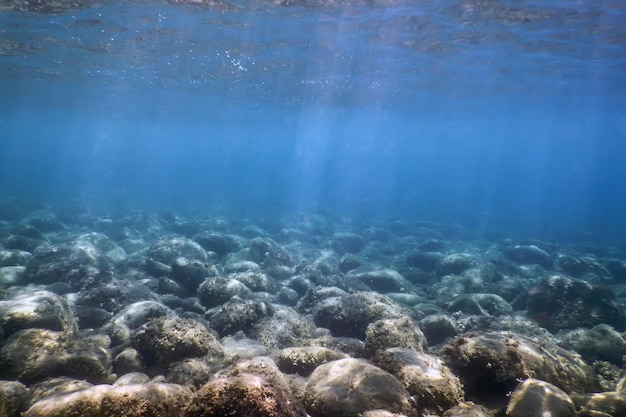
x,y
145,400
348,387
164,340
82,403
560,303
494,363
12,398
245,395
36,309
539,398
35,354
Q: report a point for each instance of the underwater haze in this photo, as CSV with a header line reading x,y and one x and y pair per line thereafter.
x,y
503,117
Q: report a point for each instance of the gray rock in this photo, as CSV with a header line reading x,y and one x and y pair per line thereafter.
x,y
350,315
190,273
347,387
425,377
455,264
128,361
243,347
437,328
389,333
239,315
219,243
467,409
216,291
12,275
528,254
512,357
54,386
345,242
164,340
167,249
14,257
481,304
132,378
36,309
383,280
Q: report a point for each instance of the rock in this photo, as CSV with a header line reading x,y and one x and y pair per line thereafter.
x,y
242,396
38,310
218,243
383,280
528,255
560,303
195,372
437,328
132,378
255,281
145,400
284,329
67,262
11,275
14,257
313,296
600,343
581,266
448,287
605,404
349,262
467,409
45,221
344,242
140,312
268,253
24,243
426,261
288,297
243,347
481,304
493,362
128,361
164,340
425,377
455,264
169,248
190,273
108,294
347,387
535,398
239,315
35,354
215,291
617,268
83,403
303,360
389,333
350,315
54,386
12,398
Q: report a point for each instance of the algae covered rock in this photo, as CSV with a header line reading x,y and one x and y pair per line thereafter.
x,y
12,398
539,398
560,303
494,362
239,315
35,354
36,309
245,395
347,387
388,333
164,340
600,343
145,400
424,376
350,315
303,360
383,280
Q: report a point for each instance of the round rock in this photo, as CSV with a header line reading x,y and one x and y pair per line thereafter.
x,y
347,387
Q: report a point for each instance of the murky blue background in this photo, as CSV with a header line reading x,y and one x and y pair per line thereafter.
x,y
502,117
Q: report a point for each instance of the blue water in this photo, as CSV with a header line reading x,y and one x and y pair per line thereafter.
x,y
506,117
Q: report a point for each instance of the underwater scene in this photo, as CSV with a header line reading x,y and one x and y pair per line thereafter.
x,y
312,208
